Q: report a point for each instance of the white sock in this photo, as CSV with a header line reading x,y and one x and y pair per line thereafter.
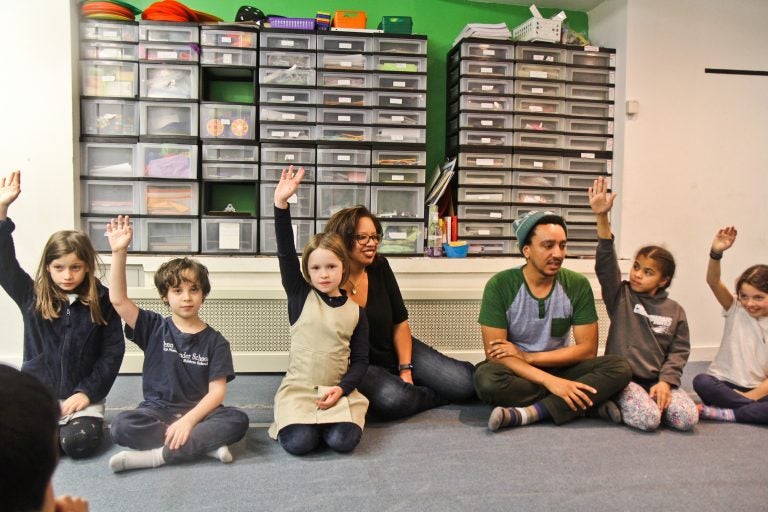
x,y
129,459
222,453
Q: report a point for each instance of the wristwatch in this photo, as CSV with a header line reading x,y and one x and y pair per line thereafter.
x,y
406,366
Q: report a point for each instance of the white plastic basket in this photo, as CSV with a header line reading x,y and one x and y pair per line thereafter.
x,y
538,29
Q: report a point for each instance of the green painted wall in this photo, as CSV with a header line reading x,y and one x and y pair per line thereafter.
x,y
440,20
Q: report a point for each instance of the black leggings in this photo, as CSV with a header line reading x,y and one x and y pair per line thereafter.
x,y
300,438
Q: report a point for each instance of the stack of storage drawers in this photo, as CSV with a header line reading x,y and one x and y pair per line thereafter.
x,y
109,78
230,169
561,140
287,116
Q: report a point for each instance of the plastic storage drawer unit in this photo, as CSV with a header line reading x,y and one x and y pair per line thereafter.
x,y
539,71
109,31
109,117
343,156
495,160
229,236
399,202
303,229
400,45
99,50
401,237
158,198
272,172
291,77
402,175
230,171
302,202
170,235
169,32
287,96
537,162
398,158
332,198
169,161
162,52
343,175
485,195
169,81
228,38
535,179
287,155
230,153
224,121
116,79
485,212
500,177
398,64
110,160
95,228
166,119
110,197
472,229
287,41
400,82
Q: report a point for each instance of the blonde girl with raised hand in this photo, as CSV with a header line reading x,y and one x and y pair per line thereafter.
x,y
647,327
317,401
735,386
73,340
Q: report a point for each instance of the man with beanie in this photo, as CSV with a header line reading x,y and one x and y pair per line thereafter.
x,y
526,314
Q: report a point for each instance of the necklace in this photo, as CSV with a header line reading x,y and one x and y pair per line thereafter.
x,y
354,284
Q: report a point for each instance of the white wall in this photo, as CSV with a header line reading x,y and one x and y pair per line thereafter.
x,y
692,160
695,157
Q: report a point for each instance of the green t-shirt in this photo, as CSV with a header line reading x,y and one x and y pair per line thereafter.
x,y
537,325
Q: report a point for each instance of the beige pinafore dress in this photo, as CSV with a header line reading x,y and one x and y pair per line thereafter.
x,y
318,359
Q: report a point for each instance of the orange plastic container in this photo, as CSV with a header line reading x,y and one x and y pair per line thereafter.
x,y
349,19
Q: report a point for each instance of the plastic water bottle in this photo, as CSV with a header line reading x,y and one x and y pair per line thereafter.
x,y
434,235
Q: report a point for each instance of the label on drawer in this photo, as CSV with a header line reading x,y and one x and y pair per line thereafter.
x,y
535,108
396,136
591,48
167,55
485,161
109,53
484,232
226,39
286,42
395,101
226,58
494,215
398,83
397,235
485,140
108,78
345,46
397,177
343,81
344,119
289,157
277,133
538,74
398,119
287,116
294,135
537,90
110,34
345,64
486,70
538,57
489,53
486,105
485,87
345,99
288,98
486,122
538,164
229,236
343,158
587,155
401,65
225,121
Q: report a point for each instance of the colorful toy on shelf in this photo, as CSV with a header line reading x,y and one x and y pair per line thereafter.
x,y
108,10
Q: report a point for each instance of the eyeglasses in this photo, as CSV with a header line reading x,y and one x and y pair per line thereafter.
x,y
365,239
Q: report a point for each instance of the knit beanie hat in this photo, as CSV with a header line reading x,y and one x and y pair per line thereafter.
x,y
523,225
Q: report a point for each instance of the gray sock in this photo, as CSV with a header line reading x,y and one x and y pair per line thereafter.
x,y
129,459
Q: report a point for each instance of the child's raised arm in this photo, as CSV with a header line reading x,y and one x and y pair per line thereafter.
x,y
724,239
120,233
601,202
289,184
10,188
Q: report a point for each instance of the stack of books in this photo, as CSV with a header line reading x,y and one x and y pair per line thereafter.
x,y
485,31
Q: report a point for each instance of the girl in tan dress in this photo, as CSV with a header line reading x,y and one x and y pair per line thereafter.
x,y
317,400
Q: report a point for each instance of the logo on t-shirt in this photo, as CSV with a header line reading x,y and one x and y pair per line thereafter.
x,y
659,324
193,358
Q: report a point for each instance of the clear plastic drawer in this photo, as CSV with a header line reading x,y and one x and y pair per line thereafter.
x,y
109,78
169,81
487,68
490,247
109,31
540,54
540,71
486,121
344,62
579,181
522,211
485,177
485,50
400,82
400,117
538,140
291,77
110,160
534,88
110,197
99,50
485,212
401,175
537,162
535,179
581,249
346,80
337,43
485,195
162,52
165,119
487,103
272,172
482,86
496,160
538,123
167,161
480,138
228,57
573,198
287,155
169,32
400,64
332,198
302,202
230,171
400,202
401,237
288,133
303,229
287,96
397,135
539,106
398,157
343,116
158,198
588,164
588,143
96,227
225,121
344,133
589,92
301,114
229,38
590,109
283,59
327,174
587,57
109,117
229,236
327,155
177,236
537,196
399,45
592,126
591,76
287,41
471,229
578,214
400,99
344,98
230,153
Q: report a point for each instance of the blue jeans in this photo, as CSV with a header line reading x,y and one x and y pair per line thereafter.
x,y
437,380
300,438
720,393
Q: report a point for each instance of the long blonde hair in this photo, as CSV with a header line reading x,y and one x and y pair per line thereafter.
x,y
49,296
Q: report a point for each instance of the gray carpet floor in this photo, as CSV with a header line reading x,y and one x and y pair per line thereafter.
x,y
444,459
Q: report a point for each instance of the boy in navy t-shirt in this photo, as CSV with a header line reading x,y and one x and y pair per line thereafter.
x,y
187,365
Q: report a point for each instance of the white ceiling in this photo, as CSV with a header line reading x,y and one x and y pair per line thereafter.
x,y
571,5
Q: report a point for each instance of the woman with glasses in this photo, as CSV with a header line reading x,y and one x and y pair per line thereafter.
x,y
405,375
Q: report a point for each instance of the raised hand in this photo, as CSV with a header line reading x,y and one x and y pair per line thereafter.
x,y
10,188
724,239
120,233
289,184
600,199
